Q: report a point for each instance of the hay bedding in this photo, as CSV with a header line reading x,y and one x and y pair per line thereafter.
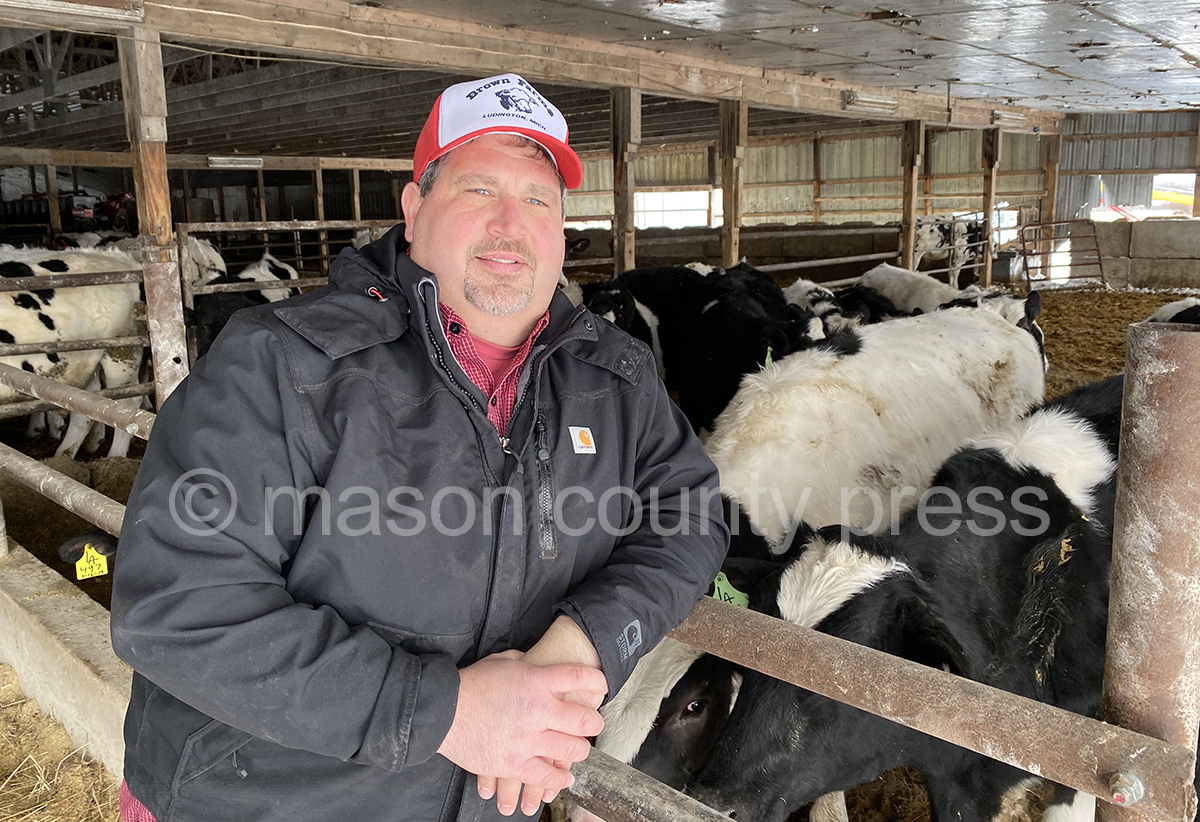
x,y
46,782
43,778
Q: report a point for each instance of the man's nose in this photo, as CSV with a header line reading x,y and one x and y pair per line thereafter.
x,y
506,217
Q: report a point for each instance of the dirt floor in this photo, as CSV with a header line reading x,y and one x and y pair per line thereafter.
x,y
44,782
43,778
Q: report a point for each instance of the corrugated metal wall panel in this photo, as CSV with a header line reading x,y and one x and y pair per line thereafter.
x,y
589,205
955,152
685,169
597,176
779,164
858,159
778,199
1021,152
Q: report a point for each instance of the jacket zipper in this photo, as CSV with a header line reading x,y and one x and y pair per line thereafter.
x,y
546,537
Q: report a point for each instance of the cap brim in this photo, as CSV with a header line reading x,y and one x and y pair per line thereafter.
x,y
570,168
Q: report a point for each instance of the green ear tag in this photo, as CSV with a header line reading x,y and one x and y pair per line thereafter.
x,y
768,361
724,591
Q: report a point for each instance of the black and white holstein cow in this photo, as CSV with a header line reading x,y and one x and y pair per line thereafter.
x,y
825,436
212,311
1005,582
68,314
958,242
1186,310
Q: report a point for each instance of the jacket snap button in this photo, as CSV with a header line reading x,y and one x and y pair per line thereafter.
x,y
588,324
543,454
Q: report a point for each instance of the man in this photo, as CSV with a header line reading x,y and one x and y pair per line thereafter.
x,y
394,540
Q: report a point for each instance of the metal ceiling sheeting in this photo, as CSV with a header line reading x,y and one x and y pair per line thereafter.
x,y
1082,55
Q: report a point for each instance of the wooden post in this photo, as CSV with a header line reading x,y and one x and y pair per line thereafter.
x,y
1195,186
627,136
1052,147
145,97
396,187
221,204
911,141
56,227
262,209
927,176
733,153
816,196
355,195
319,197
993,139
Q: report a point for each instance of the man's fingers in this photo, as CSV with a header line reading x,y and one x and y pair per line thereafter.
x,y
564,679
575,720
486,787
508,792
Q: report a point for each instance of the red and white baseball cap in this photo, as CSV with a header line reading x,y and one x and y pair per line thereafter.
x,y
506,104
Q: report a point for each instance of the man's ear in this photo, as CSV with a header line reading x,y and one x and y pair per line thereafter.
x,y
410,204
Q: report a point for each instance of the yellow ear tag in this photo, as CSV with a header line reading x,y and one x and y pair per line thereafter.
x,y
724,591
91,564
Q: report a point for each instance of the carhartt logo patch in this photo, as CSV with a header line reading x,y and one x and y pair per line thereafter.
x,y
630,639
581,439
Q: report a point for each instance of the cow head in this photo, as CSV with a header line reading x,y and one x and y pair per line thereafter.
x,y
784,746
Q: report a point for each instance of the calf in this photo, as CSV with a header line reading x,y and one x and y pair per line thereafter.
x,y
67,314
829,436
1013,594
743,323
655,305
1181,311
212,311
958,242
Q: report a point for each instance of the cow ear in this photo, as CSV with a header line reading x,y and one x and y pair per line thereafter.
x,y
773,340
926,639
1033,305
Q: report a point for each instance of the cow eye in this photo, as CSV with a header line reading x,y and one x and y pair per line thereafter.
x,y
695,706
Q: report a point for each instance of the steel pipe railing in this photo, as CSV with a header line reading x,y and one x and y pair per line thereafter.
x,y
74,496
109,412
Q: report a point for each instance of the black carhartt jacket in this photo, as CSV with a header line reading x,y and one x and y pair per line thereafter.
x,y
326,526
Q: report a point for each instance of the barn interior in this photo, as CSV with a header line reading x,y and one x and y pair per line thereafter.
x,y
808,137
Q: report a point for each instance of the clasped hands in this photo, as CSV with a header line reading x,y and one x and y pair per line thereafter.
x,y
523,719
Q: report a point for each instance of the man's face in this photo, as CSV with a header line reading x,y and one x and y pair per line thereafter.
x,y
491,229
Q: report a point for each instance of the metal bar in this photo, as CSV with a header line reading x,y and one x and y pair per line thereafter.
x,y
133,421
882,255
994,723
37,283
771,235
589,261
74,496
16,349
281,225
618,793
258,285
1152,661
24,409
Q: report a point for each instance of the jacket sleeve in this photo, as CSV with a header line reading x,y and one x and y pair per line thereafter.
x,y
679,539
200,605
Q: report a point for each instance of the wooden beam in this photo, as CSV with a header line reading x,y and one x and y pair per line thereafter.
x,y
733,155
816,184
355,191
145,99
993,141
627,136
56,227
15,37
116,159
61,87
1196,184
319,203
1052,159
910,164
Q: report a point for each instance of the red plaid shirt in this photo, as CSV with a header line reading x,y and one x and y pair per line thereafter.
x,y
501,391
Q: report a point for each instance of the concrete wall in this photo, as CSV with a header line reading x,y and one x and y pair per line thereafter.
x,y
57,639
1151,254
